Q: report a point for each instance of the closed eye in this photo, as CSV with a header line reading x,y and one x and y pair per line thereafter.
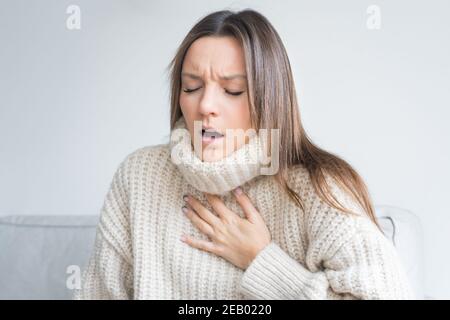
x,y
234,93
190,90
228,92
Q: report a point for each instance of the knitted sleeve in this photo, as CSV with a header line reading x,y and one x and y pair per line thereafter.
x,y
347,258
363,268
109,272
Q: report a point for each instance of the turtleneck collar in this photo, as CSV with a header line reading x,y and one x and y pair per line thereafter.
x,y
218,177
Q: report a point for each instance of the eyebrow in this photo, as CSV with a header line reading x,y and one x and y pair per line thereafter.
x,y
230,77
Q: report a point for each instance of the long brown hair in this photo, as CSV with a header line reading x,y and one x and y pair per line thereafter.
x,y
273,104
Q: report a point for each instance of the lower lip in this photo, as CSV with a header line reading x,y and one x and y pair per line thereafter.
x,y
206,139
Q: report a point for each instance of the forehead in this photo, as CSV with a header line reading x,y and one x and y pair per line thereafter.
x,y
217,55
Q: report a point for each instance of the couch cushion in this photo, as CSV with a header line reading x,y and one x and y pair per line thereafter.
x,y
404,229
36,252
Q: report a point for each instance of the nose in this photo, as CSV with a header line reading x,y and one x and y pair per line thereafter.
x,y
209,103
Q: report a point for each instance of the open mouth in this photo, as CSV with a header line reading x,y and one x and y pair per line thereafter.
x,y
211,135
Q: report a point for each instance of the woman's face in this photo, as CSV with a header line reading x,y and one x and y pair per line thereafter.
x,y
214,92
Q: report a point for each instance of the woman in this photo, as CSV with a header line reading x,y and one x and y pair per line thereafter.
x,y
275,218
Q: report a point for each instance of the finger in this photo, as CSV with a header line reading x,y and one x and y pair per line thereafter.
x,y
201,224
219,207
203,212
201,244
249,209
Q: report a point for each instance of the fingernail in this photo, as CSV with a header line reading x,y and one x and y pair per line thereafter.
x,y
238,191
185,198
185,209
183,238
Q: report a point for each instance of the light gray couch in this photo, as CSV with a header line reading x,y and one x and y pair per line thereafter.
x,y
38,253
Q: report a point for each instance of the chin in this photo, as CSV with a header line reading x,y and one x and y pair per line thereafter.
x,y
212,155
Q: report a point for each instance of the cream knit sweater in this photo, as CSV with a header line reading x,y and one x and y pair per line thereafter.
x,y
319,253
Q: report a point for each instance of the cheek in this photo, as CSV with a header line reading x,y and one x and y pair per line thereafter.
x,y
238,115
189,107
188,111
185,104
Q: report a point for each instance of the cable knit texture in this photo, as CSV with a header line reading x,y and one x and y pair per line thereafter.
x,y
316,253
217,177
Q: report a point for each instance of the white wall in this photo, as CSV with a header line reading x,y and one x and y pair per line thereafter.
x,y
74,103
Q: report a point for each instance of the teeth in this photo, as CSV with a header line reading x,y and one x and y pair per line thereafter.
x,y
213,134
